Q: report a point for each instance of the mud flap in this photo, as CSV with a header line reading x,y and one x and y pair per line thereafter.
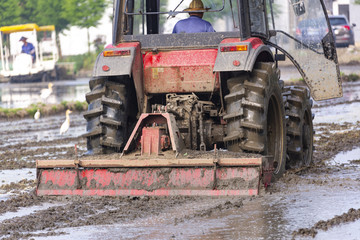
x,y
153,177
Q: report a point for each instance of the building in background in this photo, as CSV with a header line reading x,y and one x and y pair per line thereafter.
x,y
74,40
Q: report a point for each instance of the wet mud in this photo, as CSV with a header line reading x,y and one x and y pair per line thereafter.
x,y
182,217
351,216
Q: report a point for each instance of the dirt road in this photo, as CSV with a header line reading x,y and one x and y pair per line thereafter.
x,y
322,201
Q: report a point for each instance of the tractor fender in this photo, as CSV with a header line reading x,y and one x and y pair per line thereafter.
x,y
236,55
119,64
122,60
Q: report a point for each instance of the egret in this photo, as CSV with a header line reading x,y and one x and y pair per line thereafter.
x,y
45,93
37,115
65,126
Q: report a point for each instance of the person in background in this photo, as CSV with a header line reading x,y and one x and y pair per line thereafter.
x,y
27,48
194,23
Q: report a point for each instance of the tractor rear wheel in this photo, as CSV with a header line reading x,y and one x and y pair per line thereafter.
x,y
107,116
256,115
300,131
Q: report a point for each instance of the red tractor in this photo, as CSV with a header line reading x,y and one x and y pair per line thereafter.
x,y
199,113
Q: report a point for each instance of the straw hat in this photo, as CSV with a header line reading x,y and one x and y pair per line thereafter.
x,y
22,39
196,5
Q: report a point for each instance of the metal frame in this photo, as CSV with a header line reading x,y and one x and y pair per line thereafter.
x,y
242,11
171,12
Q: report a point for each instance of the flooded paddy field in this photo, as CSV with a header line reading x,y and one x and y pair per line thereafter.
x,y
319,202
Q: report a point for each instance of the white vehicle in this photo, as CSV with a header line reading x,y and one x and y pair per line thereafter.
x,y
21,67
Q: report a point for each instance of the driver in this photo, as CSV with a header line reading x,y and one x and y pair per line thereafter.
x,y
194,23
27,48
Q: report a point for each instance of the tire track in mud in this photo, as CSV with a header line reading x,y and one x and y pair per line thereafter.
x,y
21,146
334,139
85,211
351,216
24,155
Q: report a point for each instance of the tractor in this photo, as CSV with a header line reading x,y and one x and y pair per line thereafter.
x,y
194,112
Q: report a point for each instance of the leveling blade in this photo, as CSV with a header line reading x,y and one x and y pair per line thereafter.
x,y
152,177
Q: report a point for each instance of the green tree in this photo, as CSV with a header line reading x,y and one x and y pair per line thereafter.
x,y
9,12
28,11
84,13
52,13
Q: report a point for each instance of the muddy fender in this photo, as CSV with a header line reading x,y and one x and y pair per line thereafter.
x,y
236,55
123,59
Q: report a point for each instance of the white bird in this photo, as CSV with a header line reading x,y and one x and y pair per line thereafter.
x,y
37,115
45,93
65,126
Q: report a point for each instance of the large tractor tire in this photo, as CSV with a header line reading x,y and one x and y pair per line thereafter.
x,y
107,116
256,116
300,131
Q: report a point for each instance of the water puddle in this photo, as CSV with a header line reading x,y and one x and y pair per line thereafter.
x,y
338,113
27,211
345,231
347,158
23,95
16,175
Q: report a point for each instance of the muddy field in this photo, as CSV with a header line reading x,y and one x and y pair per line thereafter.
x,y
321,202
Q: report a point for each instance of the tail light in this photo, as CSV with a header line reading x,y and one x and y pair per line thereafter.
x,y
347,27
113,53
234,48
298,32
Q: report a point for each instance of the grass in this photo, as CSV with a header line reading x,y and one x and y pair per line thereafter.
x,y
10,111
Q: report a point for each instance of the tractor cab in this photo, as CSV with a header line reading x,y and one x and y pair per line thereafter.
x,y
299,29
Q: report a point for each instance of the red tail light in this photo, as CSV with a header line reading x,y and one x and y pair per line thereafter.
x,y
113,53
298,32
347,27
234,48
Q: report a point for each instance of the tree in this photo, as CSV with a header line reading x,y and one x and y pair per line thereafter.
x,y
28,12
10,12
84,13
52,13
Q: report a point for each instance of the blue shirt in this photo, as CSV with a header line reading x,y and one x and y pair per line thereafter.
x,y
193,24
29,49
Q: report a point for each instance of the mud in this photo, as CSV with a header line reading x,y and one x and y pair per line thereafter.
x,y
351,216
305,203
83,211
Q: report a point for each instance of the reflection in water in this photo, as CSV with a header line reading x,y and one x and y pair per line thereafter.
x,y
265,220
23,95
339,110
346,157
